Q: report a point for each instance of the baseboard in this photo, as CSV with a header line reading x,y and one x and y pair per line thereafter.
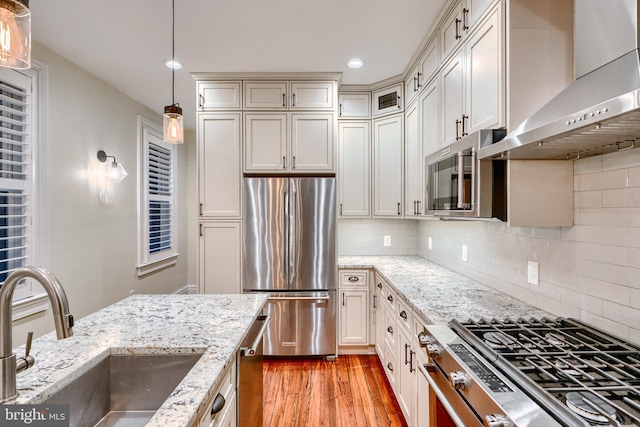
x,y
359,349
186,290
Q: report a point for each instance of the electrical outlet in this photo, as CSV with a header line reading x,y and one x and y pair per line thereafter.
x,y
464,253
387,240
533,272
430,243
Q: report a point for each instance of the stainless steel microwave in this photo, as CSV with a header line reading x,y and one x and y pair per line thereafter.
x,y
459,184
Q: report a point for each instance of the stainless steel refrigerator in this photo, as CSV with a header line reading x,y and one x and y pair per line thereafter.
x,y
289,251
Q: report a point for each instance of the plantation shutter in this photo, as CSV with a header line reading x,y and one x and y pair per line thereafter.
x,y
16,172
160,192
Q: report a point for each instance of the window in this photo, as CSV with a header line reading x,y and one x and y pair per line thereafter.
x,y
157,235
21,172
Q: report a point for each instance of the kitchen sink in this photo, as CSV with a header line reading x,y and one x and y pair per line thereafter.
x,y
123,390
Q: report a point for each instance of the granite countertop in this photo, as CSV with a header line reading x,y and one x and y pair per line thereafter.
x,y
213,325
440,294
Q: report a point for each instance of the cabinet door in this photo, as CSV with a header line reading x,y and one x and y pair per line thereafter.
x,y
413,161
452,99
475,10
406,376
412,84
421,408
312,96
354,317
228,417
429,120
220,257
219,165
429,63
265,142
381,325
451,31
354,159
484,95
354,105
219,96
265,95
388,100
387,167
312,143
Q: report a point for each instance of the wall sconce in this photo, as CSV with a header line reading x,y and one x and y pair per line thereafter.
x,y
111,171
15,34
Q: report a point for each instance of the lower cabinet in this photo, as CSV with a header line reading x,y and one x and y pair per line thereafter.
x,y
421,408
354,308
406,390
222,408
220,253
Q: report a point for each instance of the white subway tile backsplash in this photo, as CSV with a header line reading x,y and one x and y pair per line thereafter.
x,y
607,325
617,178
588,165
614,217
634,177
617,255
560,308
621,313
587,199
621,159
604,290
621,198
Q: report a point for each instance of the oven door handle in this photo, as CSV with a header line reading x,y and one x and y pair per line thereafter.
x,y
443,400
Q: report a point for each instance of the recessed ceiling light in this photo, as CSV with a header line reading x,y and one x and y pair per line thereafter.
x,y
171,63
355,63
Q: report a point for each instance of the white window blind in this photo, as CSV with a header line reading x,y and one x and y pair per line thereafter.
x,y
16,173
160,191
157,209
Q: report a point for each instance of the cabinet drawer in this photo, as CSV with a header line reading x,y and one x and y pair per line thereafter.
x,y
390,329
405,315
227,390
391,299
214,96
357,278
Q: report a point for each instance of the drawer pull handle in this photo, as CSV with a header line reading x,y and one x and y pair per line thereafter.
x,y
403,314
390,298
390,366
354,279
390,329
379,285
218,404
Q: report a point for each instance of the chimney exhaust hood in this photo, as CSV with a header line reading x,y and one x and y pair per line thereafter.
x,y
600,111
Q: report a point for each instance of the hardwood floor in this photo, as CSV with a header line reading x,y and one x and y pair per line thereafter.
x,y
350,392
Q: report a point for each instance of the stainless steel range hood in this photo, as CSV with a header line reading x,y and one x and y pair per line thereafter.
x,y
600,111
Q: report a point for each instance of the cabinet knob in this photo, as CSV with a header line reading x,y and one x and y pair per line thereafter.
x,y
403,314
390,298
379,285
390,366
218,404
390,329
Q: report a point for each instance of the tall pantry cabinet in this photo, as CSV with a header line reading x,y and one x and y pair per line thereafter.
x,y
253,124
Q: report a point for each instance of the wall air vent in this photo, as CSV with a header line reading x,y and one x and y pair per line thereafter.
x,y
388,100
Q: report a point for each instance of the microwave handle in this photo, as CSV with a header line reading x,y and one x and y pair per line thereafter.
x,y
474,180
461,179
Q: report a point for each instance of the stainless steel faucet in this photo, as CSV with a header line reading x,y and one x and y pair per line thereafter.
x,y
62,318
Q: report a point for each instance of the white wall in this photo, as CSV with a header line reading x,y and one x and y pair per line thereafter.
x,y
92,247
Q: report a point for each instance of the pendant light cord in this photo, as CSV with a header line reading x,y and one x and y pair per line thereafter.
x,y
173,51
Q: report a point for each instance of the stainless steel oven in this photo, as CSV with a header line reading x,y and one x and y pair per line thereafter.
x,y
533,373
459,184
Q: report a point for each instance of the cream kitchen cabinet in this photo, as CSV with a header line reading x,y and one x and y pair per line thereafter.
x,y
224,396
429,122
295,95
412,162
219,165
388,100
354,105
426,67
380,314
459,23
471,81
421,409
407,372
354,169
388,170
354,308
288,142
214,96
219,257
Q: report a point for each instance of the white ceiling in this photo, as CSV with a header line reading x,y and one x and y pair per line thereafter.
x,y
126,42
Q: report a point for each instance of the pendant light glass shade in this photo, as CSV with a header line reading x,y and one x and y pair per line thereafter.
x,y
15,34
172,129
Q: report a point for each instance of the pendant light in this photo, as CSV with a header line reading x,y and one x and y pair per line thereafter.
x,y
15,34
172,129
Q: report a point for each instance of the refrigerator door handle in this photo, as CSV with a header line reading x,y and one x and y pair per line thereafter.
x,y
283,226
293,233
325,297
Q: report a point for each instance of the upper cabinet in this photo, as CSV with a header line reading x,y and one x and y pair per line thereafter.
x,y
388,100
459,23
354,105
214,96
424,70
282,95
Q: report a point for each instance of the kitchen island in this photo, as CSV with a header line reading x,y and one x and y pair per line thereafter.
x,y
211,325
439,294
